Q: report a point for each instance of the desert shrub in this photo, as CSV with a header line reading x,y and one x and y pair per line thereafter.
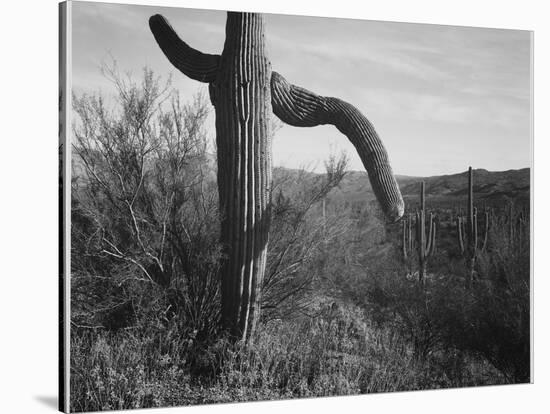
x,y
144,209
299,237
496,311
449,324
410,308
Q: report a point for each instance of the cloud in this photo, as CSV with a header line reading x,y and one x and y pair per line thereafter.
x,y
432,92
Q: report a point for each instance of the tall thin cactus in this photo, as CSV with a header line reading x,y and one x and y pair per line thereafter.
x,y
425,246
518,226
467,231
407,241
244,92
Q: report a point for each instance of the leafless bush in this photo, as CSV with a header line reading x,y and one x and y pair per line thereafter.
x,y
144,202
498,310
302,232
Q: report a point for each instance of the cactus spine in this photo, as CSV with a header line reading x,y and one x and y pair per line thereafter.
x,y
467,230
244,92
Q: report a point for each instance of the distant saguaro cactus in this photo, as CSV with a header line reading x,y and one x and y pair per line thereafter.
x,y
407,241
518,226
425,245
467,230
244,91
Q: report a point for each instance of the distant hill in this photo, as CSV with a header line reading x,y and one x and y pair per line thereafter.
x,y
491,188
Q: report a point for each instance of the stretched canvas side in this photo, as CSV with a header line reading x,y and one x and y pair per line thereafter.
x,y
64,203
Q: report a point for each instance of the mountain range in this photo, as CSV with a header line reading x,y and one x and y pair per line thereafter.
x,y
491,188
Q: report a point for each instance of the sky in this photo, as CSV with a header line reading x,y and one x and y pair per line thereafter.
x,y
442,98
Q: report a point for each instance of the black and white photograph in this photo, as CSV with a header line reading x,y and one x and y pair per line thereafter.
x,y
259,206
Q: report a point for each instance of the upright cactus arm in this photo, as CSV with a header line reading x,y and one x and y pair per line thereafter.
x,y
486,231
432,245
405,241
474,252
410,233
417,226
460,233
430,234
196,65
299,107
470,204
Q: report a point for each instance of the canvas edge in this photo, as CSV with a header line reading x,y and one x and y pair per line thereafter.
x,y
531,207
65,72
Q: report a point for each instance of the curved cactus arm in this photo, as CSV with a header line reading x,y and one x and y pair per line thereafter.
x,y
196,65
297,106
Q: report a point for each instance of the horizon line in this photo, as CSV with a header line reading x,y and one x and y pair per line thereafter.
x,y
415,176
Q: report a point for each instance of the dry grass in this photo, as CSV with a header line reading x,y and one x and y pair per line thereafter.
x,y
336,353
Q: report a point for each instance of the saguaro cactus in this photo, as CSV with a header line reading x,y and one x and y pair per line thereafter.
x,y
425,245
407,241
244,91
467,230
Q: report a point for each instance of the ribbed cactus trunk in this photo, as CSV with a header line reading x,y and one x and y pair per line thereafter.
x,y
241,95
244,93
